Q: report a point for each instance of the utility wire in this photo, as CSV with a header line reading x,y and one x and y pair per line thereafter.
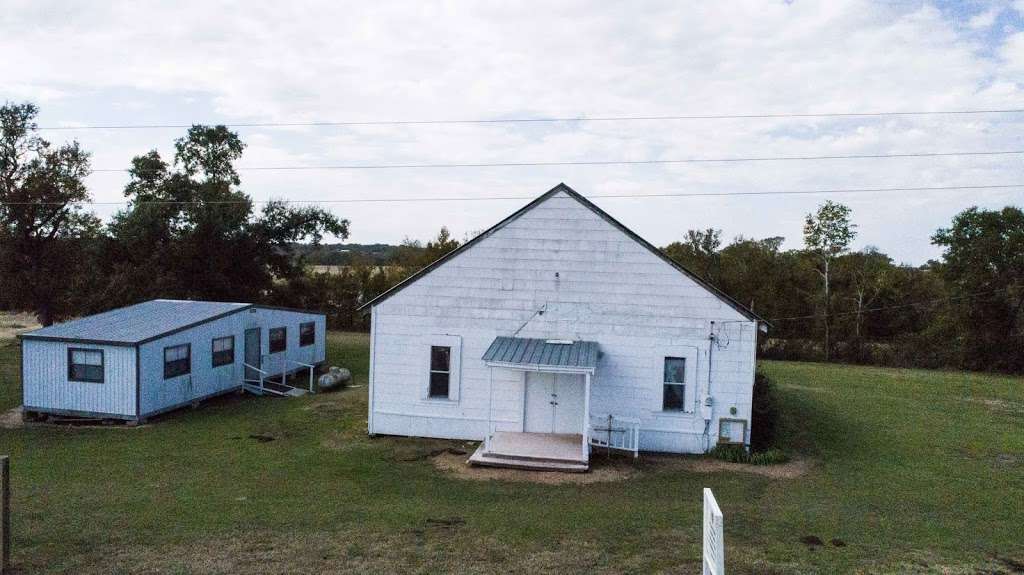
x,y
572,119
602,162
890,307
503,198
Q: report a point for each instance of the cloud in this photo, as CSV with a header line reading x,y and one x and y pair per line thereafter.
x,y
305,61
984,20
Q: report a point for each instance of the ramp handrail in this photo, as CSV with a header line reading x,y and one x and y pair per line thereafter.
x,y
311,368
254,368
615,432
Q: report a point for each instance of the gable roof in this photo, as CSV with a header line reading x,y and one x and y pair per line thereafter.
x,y
746,312
137,323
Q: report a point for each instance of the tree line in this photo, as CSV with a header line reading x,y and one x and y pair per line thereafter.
x,y
189,231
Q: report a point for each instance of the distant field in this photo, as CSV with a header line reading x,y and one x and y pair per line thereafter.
x,y
11,324
910,471
335,270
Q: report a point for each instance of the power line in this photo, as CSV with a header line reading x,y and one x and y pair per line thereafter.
x,y
505,198
605,162
541,120
884,308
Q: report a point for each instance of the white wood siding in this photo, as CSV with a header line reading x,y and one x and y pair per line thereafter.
x,y
593,282
46,385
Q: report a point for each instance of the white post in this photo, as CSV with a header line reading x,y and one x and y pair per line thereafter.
x,y
490,405
714,541
586,416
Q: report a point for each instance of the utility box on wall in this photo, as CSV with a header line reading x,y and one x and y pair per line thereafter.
x,y
732,431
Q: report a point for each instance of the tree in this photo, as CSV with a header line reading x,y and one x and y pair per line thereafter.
x,y
44,231
413,255
699,253
869,274
983,267
827,235
189,232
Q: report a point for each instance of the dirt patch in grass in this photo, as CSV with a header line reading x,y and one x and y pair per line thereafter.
x,y
789,470
11,419
999,405
456,466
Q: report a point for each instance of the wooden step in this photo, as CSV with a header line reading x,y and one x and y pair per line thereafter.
x,y
527,463
536,458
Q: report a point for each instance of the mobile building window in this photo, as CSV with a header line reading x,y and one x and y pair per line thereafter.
x,y
177,360
674,385
278,339
85,365
223,350
440,371
307,334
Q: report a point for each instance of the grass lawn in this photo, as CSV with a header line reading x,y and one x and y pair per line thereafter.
x,y
915,471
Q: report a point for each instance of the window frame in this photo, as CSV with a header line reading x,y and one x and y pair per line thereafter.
x,y
454,343
214,361
680,384
71,364
187,360
284,339
447,372
312,334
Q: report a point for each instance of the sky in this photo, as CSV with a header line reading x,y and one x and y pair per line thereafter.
x,y
91,63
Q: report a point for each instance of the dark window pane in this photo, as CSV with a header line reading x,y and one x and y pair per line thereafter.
x,y
675,370
440,358
438,384
85,365
223,351
307,334
673,398
177,360
278,339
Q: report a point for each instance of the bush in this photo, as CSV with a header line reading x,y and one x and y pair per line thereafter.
x,y
737,454
764,415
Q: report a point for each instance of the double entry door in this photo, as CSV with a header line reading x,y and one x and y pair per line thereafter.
x,y
553,403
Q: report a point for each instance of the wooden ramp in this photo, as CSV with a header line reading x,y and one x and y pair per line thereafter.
x,y
533,451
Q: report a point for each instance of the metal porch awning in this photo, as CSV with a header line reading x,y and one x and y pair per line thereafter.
x,y
558,356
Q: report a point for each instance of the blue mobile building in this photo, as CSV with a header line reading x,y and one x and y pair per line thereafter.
x,y
135,362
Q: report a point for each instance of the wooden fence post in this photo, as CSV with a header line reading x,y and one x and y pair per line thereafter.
x,y
5,513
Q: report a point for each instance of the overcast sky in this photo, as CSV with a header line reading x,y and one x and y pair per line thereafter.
x,y
92,63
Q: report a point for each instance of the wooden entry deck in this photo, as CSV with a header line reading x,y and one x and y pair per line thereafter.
x,y
533,451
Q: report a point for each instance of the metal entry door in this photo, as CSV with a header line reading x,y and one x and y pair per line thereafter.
x,y
253,353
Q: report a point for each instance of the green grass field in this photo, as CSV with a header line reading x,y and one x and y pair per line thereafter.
x,y
915,471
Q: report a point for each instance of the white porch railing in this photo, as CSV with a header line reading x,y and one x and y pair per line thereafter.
x,y
615,432
259,381
714,542
306,365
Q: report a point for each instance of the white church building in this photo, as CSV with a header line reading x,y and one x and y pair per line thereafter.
x,y
557,332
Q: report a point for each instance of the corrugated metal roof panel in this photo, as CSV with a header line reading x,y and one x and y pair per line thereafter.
x,y
139,322
530,352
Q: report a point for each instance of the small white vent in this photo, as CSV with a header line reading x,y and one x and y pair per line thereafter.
x,y
558,341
